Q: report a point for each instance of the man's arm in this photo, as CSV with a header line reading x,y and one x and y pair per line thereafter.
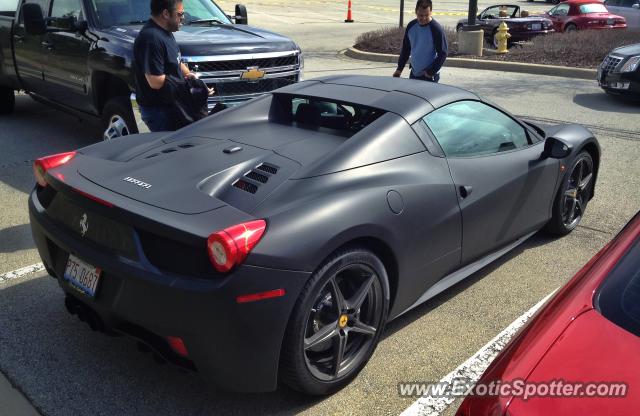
x,y
404,52
441,47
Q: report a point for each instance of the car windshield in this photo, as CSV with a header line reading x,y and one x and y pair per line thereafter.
x,y
593,8
619,297
126,12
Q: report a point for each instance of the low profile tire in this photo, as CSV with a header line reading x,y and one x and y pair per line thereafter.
x,y
574,194
570,28
336,323
7,100
117,118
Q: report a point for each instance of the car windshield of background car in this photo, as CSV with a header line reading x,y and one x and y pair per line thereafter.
x,y
125,12
593,8
619,297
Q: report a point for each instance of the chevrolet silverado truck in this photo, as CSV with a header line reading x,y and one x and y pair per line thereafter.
x,y
76,55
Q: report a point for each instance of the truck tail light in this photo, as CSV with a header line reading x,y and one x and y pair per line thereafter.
x,y
42,165
229,247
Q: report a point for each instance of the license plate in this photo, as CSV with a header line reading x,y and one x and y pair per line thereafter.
x,y
82,276
536,26
609,22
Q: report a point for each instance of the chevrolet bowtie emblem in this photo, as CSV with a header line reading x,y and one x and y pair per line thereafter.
x,y
252,73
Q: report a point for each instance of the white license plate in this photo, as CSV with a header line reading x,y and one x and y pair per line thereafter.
x,y
82,275
536,26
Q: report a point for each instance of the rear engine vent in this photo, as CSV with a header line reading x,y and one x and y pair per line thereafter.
x,y
186,145
268,168
171,149
257,176
150,156
246,186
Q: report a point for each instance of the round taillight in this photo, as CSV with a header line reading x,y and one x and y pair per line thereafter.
x,y
222,251
232,245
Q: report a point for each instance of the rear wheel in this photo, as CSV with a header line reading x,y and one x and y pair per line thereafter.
x,y
573,196
459,28
570,28
336,323
7,100
117,118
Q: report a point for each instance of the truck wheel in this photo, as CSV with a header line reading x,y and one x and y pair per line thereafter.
x,y
117,118
7,100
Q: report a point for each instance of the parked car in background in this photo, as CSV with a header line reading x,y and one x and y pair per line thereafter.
x,y
521,25
583,14
619,72
76,55
629,9
588,333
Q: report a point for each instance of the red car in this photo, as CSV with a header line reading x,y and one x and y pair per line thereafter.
x,y
583,14
587,335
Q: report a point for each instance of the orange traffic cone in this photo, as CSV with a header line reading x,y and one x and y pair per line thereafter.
x,y
348,19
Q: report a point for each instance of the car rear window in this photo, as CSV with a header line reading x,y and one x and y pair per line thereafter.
x,y
326,115
593,8
618,298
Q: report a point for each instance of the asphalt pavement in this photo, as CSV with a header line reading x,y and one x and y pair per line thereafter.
x,y
55,365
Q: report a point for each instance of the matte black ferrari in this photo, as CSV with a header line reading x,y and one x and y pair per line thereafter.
x,y
273,241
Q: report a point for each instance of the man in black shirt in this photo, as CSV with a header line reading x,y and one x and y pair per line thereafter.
x,y
158,67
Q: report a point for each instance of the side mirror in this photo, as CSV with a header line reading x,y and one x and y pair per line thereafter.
x,y
241,15
34,22
556,148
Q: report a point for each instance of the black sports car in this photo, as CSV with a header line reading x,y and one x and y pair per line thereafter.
x,y
274,240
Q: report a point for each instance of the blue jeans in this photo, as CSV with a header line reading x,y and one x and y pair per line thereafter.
x,y
435,78
159,118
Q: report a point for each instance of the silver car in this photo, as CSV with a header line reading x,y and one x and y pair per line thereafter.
x,y
630,9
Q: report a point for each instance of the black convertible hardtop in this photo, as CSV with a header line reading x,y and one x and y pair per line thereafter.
x,y
409,99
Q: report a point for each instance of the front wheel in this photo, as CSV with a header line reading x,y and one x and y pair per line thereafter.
x,y
336,323
117,118
570,28
7,100
573,196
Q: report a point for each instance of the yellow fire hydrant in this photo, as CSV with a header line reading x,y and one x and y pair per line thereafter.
x,y
502,36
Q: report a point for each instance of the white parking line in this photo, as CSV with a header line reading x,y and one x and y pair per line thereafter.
x,y
34,268
473,368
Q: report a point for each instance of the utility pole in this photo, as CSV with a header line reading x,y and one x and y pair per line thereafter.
x,y
402,13
471,17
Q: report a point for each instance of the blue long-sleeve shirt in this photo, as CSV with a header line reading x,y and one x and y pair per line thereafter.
x,y
427,46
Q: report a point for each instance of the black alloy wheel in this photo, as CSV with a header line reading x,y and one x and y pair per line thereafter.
x,y
336,324
573,196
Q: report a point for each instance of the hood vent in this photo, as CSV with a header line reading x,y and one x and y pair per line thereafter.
x,y
256,177
172,149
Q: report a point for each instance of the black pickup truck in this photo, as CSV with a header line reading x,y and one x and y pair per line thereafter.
x,y
77,54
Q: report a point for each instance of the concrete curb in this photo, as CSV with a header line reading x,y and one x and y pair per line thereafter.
x,y
559,71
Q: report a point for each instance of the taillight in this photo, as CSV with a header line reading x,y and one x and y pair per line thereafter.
x,y
229,247
42,165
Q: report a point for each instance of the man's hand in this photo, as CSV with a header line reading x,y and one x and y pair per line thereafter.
x,y
428,74
191,75
397,73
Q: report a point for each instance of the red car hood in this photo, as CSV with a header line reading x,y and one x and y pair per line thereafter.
x,y
612,356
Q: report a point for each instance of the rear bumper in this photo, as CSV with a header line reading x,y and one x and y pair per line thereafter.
x,y
528,35
235,346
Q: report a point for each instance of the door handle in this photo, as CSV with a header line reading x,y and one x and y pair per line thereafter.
x,y
465,191
47,45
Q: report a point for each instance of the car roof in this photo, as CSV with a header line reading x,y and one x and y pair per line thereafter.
x,y
408,98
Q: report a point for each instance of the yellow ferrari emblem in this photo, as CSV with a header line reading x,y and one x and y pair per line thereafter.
x,y
343,321
252,74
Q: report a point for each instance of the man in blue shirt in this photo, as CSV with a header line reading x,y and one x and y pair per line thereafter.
x,y
425,41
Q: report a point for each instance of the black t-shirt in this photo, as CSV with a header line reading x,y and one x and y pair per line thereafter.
x,y
155,52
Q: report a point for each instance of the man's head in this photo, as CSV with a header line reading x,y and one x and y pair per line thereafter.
x,y
167,13
423,11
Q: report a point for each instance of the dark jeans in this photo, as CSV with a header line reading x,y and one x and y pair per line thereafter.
x,y
159,118
435,78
